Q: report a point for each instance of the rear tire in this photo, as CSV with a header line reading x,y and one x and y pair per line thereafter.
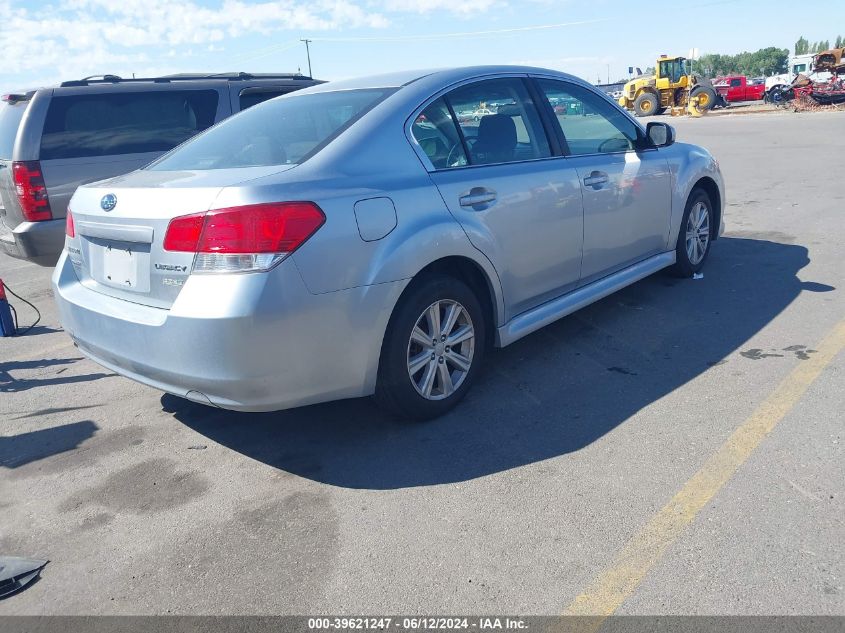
x,y
695,235
421,375
646,104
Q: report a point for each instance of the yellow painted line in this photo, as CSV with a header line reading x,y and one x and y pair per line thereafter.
x,y
610,589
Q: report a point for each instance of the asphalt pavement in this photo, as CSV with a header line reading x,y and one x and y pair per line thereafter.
x,y
676,448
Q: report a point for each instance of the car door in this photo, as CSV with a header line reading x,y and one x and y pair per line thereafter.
x,y
518,205
625,188
736,92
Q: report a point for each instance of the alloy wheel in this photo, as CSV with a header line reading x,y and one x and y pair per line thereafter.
x,y
698,233
441,349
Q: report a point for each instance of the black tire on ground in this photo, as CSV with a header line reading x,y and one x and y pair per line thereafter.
x,y
683,266
395,390
646,104
700,91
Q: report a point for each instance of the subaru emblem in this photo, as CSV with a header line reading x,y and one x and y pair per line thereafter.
x,y
108,202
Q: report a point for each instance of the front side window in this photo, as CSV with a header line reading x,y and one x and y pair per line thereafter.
x,y
498,122
277,132
590,125
124,122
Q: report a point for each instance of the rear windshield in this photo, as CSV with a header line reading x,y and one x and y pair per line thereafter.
x,y
277,132
125,123
10,118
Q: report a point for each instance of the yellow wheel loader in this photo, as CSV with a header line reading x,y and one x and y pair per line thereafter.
x,y
672,86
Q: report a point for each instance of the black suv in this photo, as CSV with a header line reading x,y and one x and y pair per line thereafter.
x,y
54,139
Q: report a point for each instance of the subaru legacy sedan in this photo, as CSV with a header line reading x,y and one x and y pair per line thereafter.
x,y
360,238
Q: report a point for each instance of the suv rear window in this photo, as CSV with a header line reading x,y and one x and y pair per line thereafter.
x,y
10,118
277,132
125,123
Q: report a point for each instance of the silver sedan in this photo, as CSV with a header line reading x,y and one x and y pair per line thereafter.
x,y
362,238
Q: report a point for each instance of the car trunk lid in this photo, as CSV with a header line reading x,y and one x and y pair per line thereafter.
x,y
120,226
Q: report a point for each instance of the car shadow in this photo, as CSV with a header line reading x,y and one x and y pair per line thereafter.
x,y
10,384
36,330
549,394
24,448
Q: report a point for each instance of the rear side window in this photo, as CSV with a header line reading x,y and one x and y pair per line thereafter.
x,y
10,118
277,132
249,98
125,123
499,122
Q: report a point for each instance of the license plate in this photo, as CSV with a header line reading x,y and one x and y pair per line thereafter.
x,y
120,267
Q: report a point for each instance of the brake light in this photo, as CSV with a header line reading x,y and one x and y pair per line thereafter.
x,y
31,190
247,238
183,233
70,230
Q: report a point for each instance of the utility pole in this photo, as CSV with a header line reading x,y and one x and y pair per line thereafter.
x,y
308,52
608,73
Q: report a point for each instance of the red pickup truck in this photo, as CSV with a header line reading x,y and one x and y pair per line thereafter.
x,y
738,88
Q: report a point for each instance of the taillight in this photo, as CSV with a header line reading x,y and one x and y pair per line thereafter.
x,y
248,238
70,230
31,190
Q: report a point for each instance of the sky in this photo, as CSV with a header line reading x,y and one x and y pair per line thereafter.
x,y
46,42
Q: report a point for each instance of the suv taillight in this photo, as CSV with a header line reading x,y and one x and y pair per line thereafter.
x,y
31,190
254,237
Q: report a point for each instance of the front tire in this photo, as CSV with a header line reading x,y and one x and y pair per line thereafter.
x,y
695,236
646,104
432,350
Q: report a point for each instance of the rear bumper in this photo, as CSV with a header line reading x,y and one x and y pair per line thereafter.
x,y
248,342
39,242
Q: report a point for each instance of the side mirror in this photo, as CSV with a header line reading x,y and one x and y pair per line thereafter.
x,y
660,134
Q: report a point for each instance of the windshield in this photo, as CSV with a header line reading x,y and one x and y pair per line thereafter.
x,y
282,131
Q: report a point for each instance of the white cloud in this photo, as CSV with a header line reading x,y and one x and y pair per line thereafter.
x,y
86,36
460,7
74,38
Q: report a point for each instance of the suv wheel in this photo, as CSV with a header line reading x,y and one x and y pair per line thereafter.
x,y
432,350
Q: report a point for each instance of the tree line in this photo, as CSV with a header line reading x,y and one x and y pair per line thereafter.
x,y
803,46
761,63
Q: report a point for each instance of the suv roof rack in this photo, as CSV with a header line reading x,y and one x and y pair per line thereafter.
x,y
230,76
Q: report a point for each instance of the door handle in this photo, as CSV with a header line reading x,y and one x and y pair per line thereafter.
x,y
479,198
595,180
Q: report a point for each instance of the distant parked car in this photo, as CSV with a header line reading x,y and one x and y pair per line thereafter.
x,y
378,246
468,115
54,139
739,88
